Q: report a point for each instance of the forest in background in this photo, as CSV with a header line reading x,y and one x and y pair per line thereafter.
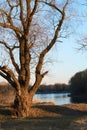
x,y
6,88
56,88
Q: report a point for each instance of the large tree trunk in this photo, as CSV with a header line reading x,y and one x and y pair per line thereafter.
x,y
22,104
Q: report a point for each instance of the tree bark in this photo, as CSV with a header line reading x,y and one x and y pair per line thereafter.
x,y
22,104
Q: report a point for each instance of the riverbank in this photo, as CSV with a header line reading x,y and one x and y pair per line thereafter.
x,y
46,117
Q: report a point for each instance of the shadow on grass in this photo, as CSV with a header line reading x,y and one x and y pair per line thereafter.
x,y
62,110
5,111
69,115
37,124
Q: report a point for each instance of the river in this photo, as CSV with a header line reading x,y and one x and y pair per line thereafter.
x,y
58,98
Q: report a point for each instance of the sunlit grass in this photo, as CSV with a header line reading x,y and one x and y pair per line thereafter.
x,y
46,122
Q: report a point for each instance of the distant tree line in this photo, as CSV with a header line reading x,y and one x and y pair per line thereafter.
x,y
56,88
6,89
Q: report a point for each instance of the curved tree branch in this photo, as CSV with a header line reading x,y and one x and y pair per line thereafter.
x,y
35,7
52,5
10,77
39,76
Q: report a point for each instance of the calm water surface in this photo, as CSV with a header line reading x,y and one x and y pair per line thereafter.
x,y
58,98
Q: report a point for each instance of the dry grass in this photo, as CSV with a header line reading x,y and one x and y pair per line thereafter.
x,y
45,116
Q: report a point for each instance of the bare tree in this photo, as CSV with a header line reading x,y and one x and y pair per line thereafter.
x,y
25,42
82,40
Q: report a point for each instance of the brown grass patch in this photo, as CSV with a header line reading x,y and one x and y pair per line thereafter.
x,y
47,117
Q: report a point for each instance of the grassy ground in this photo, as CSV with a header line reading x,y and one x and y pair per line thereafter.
x,y
46,117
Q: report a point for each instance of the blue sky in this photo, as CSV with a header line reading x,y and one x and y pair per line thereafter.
x,y
67,61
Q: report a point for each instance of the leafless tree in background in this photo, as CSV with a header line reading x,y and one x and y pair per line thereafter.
x,y
27,35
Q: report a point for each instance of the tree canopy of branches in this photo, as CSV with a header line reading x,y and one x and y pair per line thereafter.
x,y
28,31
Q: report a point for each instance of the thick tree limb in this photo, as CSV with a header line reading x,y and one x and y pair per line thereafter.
x,y
28,9
35,7
10,77
22,13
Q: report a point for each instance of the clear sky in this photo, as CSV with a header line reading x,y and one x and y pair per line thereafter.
x,y
67,59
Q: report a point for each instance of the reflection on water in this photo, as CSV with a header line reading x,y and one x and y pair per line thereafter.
x,y
78,99
58,98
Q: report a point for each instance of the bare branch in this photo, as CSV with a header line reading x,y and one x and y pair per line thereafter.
x,y
66,3
5,25
28,9
3,12
22,13
45,51
52,5
11,55
7,78
16,5
35,7
10,76
44,74
9,17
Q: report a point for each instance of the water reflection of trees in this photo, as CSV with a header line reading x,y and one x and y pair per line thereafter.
x,y
79,99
